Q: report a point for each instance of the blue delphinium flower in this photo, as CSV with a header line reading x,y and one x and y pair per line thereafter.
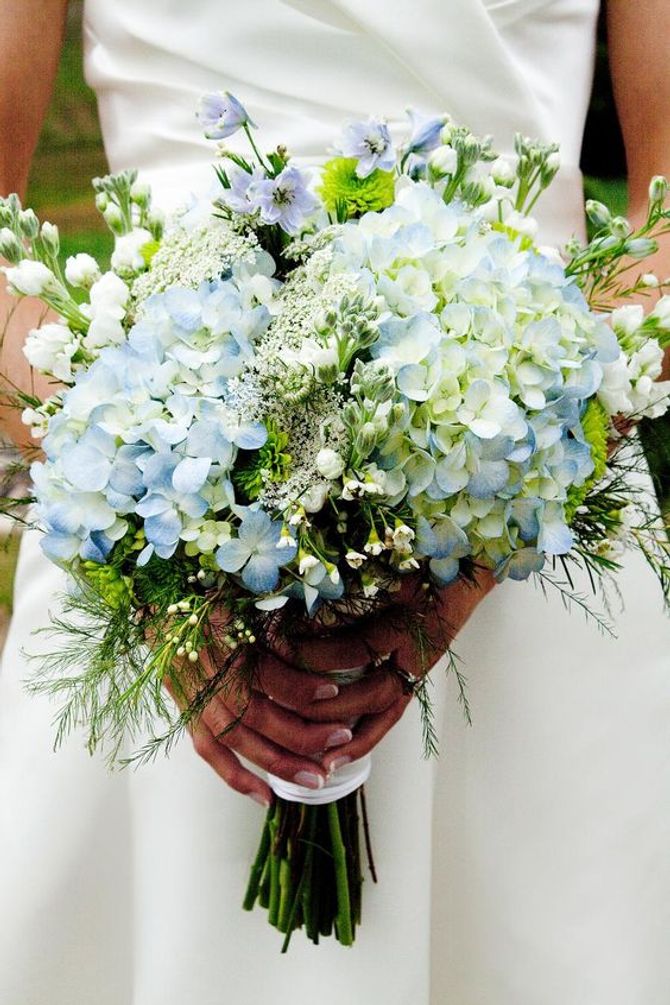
x,y
255,552
221,115
371,144
426,132
285,200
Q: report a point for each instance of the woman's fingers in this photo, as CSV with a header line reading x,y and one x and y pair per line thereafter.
x,y
367,735
231,732
228,767
373,693
290,731
289,687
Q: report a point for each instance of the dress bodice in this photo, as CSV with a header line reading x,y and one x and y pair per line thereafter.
x,y
301,67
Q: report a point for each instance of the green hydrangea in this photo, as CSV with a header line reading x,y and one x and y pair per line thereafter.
x,y
347,196
596,426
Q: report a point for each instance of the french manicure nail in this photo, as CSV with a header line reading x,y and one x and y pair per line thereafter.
x,y
339,737
326,691
309,780
339,762
260,799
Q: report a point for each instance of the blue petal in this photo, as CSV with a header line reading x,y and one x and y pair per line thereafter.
x,y
232,555
260,574
86,468
520,565
250,435
445,570
191,474
163,529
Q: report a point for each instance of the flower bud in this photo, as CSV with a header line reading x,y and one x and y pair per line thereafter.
x,y
101,202
50,238
10,246
650,281
598,214
503,172
366,438
444,160
641,247
658,189
29,224
620,227
140,194
114,219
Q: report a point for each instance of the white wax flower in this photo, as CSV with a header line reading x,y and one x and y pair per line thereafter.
x,y
82,271
50,350
127,256
29,278
329,463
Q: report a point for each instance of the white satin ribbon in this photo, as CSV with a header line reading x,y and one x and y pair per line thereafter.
x,y
342,781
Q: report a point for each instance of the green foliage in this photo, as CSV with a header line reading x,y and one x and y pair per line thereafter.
x,y
269,464
347,196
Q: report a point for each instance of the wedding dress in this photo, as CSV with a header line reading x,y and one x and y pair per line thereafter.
x,y
529,865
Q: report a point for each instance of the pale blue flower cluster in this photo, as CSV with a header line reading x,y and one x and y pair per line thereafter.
x,y
495,354
145,438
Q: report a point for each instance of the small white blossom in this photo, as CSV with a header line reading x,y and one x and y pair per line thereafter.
x,y
82,271
355,559
30,278
127,257
107,309
329,463
50,350
306,563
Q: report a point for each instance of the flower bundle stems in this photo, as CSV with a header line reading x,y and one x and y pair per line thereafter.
x,y
307,870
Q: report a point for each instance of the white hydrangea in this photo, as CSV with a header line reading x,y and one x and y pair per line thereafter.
x,y
50,349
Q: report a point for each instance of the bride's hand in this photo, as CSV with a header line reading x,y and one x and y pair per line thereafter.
x,y
271,736
379,699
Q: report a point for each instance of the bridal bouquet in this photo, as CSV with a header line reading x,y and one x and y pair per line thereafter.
x,y
276,408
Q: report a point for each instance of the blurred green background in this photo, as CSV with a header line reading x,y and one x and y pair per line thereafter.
x,y
70,154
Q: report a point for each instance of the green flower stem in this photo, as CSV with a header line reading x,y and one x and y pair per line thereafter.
x,y
343,918
285,890
258,866
302,890
255,148
273,906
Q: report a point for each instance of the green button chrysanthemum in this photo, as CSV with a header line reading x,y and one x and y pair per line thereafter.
x,y
595,425
347,196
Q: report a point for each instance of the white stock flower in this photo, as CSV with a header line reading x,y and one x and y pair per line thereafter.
x,y
50,349
82,271
127,256
29,278
628,319
615,389
329,463
108,299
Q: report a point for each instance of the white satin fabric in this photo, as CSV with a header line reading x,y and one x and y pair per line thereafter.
x,y
529,865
